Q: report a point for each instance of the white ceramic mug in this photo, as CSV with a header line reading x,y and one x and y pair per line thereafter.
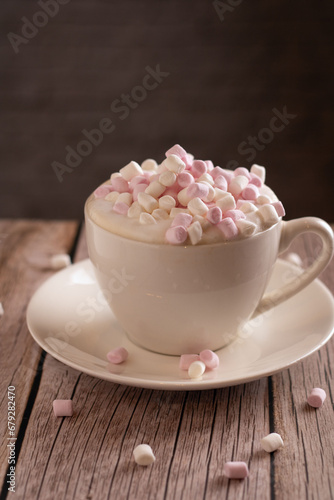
x,y
182,299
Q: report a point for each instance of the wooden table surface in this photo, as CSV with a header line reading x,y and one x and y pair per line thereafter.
x,y
89,456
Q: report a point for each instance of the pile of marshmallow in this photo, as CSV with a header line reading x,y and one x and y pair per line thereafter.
x,y
194,194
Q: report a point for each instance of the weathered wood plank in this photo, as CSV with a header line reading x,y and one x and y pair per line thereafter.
x,y
25,249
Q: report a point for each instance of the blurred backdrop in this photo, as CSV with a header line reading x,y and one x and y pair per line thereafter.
x,y
89,85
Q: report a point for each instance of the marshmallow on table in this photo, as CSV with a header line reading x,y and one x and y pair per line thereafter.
x,y
196,369
236,470
186,360
131,170
167,178
147,202
176,150
60,261
155,189
176,235
195,232
167,202
197,207
63,407
316,397
146,218
135,210
237,185
143,455
259,171
174,164
117,355
272,442
149,164
209,358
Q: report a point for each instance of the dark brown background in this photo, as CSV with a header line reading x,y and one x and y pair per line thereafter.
x,y
225,79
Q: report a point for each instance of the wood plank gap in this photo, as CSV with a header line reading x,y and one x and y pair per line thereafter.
x,y
271,429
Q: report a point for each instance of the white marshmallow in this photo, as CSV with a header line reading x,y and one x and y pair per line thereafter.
x,y
206,178
226,203
195,232
155,189
263,199
259,171
167,178
211,193
219,193
203,221
238,184
135,210
246,227
183,197
196,369
149,164
146,218
143,455
197,207
176,211
247,207
167,202
272,442
131,170
160,214
174,164
112,197
60,261
268,214
2,312
148,202
125,198
114,175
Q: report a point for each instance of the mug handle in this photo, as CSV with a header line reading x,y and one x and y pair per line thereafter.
x,y
290,230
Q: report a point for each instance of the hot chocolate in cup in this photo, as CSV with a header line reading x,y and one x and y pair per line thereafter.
x,y
183,298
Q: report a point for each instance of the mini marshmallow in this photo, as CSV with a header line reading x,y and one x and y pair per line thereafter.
x,y
125,198
209,165
188,160
316,397
196,369
235,214
176,150
236,470
167,178
135,210
178,210
205,224
63,407
197,207
259,171
195,232
2,312
272,442
117,355
255,179
268,214
206,178
182,220
146,218
174,164
226,203
237,185
160,214
120,208
263,199
113,196
246,207
183,196
101,192
228,228
176,235
60,261
246,227
221,182
139,188
131,170
220,193
143,455
278,206
147,202
295,259
209,358
214,215
219,171
149,164
184,179
155,189
242,171
198,168
114,175
138,179
167,202
186,360
250,192
198,190
119,184
211,193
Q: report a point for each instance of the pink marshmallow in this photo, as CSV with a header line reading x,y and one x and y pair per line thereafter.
x,y
198,168
242,171
220,171
188,160
235,214
317,397
182,220
63,407
209,358
279,208
138,179
139,188
176,150
102,191
221,182
172,191
154,177
255,179
176,235
250,192
117,355
241,201
120,185
236,470
214,215
187,359
228,228
209,165
120,208
198,190
184,179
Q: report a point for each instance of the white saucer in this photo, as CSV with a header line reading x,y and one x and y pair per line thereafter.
x,y
288,333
